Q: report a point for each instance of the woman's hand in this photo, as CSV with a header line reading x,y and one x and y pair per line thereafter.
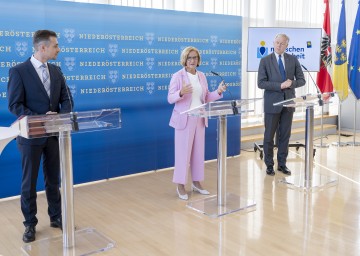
x,y
185,89
222,88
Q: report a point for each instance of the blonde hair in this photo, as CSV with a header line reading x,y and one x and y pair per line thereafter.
x,y
185,54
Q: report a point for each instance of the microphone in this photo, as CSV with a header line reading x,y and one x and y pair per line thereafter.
x,y
216,74
233,101
73,115
316,86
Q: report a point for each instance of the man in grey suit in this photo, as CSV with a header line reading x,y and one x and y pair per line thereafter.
x,y
279,74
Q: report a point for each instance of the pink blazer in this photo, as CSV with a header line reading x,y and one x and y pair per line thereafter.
x,y
177,120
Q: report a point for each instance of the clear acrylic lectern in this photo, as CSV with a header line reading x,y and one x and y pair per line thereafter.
x,y
308,180
222,203
80,242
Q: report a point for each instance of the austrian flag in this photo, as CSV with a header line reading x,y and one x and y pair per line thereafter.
x,y
323,78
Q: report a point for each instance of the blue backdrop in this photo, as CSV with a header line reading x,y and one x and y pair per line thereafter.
x,y
119,57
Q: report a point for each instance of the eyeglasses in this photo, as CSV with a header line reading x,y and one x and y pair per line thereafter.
x,y
192,58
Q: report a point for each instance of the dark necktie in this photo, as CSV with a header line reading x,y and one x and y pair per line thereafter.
x,y
281,68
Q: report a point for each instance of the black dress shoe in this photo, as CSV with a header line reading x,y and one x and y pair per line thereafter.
x,y
284,170
270,171
29,234
56,223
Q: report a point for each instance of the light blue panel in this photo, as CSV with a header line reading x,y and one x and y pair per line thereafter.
x,y
120,57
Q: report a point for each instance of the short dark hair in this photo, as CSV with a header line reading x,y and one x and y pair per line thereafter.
x,y
42,36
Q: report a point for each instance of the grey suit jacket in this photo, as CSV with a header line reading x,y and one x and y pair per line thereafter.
x,y
269,79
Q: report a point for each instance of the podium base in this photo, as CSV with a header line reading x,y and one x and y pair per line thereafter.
x,y
318,181
233,203
352,143
339,144
87,241
321,145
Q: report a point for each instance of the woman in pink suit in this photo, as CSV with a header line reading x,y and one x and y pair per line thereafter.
x,y
188,89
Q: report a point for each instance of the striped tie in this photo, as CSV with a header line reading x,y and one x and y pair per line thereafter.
x,y
45,79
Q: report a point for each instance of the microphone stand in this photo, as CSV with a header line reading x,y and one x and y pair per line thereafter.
x,y
321,103
73,115
74,122
234,108
233,101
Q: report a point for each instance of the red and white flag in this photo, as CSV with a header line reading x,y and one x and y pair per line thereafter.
x,y
323,78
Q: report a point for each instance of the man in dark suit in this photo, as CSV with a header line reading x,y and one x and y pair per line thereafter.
x,y
37,87
279,74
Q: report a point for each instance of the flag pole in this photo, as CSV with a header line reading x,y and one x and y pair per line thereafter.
x,y
339,143
321,145
353,66
354,143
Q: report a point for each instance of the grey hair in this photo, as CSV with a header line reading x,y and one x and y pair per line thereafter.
x,y
284,36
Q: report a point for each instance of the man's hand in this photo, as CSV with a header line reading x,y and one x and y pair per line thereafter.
x,y
286,84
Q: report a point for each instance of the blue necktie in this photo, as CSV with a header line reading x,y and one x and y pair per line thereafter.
x,y
281,68
45,79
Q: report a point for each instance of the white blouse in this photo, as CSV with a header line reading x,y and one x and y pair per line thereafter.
x,y
197,90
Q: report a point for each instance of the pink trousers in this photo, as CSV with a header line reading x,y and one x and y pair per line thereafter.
x,y
190,151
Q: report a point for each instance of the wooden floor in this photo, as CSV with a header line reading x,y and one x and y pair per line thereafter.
x,y
144,216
